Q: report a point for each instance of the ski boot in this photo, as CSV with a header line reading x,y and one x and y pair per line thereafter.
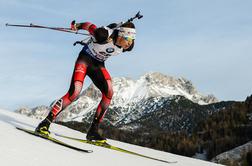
x,y
93,134
43,127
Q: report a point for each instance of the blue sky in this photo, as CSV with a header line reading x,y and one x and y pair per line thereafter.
x,y
205,41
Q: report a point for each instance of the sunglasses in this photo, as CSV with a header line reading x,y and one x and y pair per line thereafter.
x,y
130,39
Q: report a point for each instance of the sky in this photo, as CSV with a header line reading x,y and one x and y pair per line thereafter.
x,y
205,41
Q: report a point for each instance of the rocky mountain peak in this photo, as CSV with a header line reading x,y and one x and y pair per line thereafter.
x,y
158,78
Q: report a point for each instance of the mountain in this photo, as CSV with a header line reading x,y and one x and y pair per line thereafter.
x,y
21,149
132,100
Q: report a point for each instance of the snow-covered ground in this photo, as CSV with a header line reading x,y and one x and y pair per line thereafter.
x,y
18,148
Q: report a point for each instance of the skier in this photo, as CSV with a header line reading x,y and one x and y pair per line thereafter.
x,y
104,42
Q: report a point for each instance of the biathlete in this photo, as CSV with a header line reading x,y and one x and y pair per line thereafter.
x,y
104,42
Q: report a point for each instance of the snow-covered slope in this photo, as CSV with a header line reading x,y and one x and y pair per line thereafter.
x,y
21,149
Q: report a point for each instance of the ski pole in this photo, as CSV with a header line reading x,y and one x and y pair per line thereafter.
x,y
46,27
138,16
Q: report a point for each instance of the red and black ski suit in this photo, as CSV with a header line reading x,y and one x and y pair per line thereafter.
x,y
95,69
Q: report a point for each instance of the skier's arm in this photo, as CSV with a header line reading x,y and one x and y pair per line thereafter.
x,y
100,34
88,26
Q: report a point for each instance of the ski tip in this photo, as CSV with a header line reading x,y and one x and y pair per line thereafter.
x,y
90,151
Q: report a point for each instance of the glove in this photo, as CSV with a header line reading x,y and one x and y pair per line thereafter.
x,y
73,26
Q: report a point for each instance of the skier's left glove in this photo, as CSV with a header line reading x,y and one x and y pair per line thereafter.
x,y
74,26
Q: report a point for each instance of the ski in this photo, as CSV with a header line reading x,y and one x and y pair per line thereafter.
x,y
54,140
108,146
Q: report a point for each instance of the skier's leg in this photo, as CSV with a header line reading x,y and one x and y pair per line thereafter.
x,y
105,86
72,94
74,91
103,82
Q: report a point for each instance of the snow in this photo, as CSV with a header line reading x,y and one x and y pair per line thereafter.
x,y
235,154
21,149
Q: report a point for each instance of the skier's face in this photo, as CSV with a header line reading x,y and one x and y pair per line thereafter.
x,y
125,43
